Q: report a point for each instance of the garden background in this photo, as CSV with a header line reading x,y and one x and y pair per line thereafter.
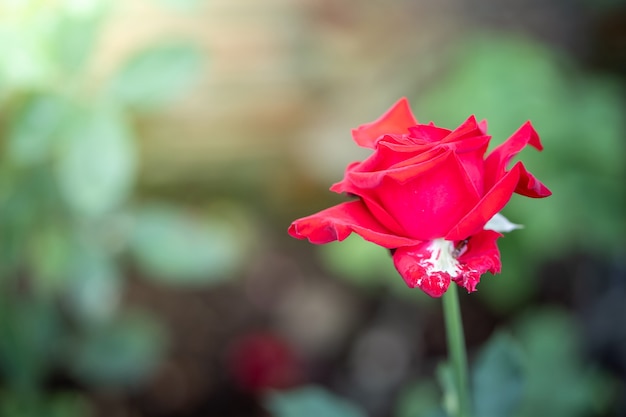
x,y
154,152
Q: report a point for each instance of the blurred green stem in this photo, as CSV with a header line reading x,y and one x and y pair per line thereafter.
x,y
456,350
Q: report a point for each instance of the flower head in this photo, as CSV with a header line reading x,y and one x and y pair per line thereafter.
x,y
431,196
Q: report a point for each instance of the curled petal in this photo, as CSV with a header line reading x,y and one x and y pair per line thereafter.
x,y
428,133
530,186
482,126
389,155
491,203
428,266
468,128
481,255
498,159
396,120
431,265
337,222
364,178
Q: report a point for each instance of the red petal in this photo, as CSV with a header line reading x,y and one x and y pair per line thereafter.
x,y
426,199
337,222
365,177
530,186
428,133
378,212
482,126
498,159
388,156
495,199
410,264
467,129
482,255
496,162
471,153
396,120
429,199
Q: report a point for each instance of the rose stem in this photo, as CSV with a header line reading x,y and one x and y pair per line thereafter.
x,y
456,348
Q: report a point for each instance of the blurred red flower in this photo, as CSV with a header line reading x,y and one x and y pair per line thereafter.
x,y
431,196
263,360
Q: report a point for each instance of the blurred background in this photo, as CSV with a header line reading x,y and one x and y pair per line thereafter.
x,y
154,152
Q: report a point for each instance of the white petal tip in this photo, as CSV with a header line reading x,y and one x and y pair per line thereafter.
x,y
501,224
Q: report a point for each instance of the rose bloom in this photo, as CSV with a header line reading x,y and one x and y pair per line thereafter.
x,y
431,196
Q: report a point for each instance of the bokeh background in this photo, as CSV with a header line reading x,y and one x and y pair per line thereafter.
x,y
154,152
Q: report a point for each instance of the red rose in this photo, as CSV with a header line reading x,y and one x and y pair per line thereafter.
x,y
431,196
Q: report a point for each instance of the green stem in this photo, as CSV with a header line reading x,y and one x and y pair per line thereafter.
x,y
456,349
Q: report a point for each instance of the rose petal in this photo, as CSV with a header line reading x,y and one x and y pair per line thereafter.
x,y
482,255
471,152
426,199
433,264
482,126
468,128
416,266
396,120
378,212
428,133
387,155
362,178
493,201
498,159
530,186
337,222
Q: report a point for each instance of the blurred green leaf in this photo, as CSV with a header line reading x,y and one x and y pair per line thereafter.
x,y
93,290
123,352
96,167
73,40
29,344
498,378
50,256
422,399
154,76
35,129
559,383
506,80
445,377
310,401
174,247
60,404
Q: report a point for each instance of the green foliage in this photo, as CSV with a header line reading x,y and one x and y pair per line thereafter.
x,y
35,129
67,171
537,369
31,333
420,399
61,404
310,401
498,377
172,247
558,380
42,42
122,352
97,162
